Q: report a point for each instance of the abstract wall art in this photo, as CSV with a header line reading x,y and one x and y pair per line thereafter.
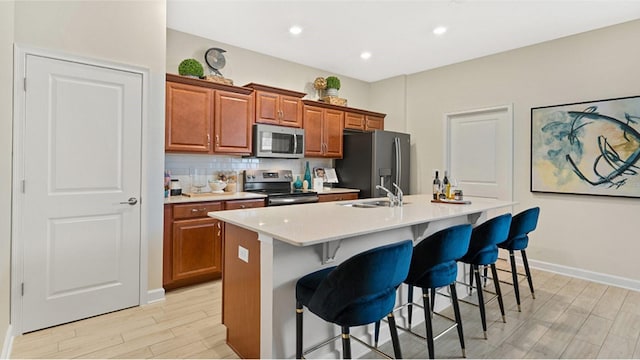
x,y
590,148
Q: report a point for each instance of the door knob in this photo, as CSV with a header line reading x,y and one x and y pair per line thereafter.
x,y
131,201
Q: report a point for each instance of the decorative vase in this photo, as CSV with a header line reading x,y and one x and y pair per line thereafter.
x,y
331,92
307,174
298,183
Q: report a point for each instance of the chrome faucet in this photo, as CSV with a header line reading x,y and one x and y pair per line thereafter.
x,y
394,200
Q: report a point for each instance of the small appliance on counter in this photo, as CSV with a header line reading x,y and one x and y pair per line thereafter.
x,y
176,188
276,184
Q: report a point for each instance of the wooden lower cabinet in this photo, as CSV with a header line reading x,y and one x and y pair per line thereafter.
x,y
337,197
194,242
241,292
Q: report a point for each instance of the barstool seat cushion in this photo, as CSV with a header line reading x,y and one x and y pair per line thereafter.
x,y
346,296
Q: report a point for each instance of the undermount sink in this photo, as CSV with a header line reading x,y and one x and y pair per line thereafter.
x,y
371,204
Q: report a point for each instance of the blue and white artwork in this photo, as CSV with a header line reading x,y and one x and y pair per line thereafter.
x,y
588,148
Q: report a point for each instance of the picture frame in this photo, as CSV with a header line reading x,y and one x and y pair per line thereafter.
x,y
319,173
587,148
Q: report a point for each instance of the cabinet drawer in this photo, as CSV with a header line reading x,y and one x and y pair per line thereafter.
x,y
243,204
337,197
195,210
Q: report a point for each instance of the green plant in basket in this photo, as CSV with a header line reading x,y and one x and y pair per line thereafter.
x,y
191,67
333,83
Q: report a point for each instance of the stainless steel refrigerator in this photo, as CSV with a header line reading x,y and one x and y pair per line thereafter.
x,y
374,158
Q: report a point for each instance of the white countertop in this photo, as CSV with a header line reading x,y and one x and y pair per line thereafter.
x,y
309,224
213,197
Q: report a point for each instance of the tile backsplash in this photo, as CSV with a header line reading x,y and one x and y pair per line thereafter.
x,y
179,164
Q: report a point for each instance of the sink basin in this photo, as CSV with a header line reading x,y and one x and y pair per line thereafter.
x,y
371,204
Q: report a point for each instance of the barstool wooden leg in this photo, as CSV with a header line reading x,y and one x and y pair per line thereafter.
x,y
410,305
514,277
394,336
299,312
427,322
346,343
528,272
456,311
376,334
496,282
483,317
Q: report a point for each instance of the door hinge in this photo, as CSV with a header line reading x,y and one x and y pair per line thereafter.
x,y
25,84
22,289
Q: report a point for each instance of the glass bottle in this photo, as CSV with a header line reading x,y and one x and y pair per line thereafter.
x,y
436,186
307,174
446,185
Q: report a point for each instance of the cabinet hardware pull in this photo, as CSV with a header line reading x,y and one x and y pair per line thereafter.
x,y
196,210
243,206
217,140
208,140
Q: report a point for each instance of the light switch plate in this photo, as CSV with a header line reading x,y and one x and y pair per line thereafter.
x,y
243,254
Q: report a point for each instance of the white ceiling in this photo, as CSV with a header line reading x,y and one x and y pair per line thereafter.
x,y
397,33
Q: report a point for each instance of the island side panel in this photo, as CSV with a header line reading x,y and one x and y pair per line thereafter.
x,y
241,291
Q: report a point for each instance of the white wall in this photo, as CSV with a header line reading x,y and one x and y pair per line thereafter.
x,y
597,234
6,120
126,32
245,66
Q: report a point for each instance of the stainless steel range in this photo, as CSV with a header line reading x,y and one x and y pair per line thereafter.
x,y
276,184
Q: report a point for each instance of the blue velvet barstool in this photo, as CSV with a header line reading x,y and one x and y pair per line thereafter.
x,y
433,265
483,251
360,291
521,225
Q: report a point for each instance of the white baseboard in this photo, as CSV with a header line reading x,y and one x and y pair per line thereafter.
x,y
7,344
155,295
606,279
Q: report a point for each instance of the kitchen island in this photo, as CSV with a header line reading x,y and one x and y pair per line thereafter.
x,y
268,249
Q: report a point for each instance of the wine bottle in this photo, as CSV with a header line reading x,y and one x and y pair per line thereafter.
x,y
436,186
446,185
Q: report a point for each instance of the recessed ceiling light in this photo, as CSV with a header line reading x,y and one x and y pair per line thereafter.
x,y
440,30
365,55
295,30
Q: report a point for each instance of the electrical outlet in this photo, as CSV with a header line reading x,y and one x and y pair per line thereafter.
x,y
243,254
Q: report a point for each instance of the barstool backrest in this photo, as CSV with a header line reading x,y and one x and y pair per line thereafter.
x,y
362,289
483,248
522,224
445,246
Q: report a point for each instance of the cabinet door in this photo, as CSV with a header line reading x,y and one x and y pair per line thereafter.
x,y
312,120
290,111
333,130
353,121
233,121
267,108
188,118
197,248
374,123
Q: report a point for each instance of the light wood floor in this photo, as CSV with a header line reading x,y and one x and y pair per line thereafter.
x,y
570,318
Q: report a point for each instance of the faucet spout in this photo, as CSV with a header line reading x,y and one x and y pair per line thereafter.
x,y
393,200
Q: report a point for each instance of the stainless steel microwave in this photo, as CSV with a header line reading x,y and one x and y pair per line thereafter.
x,y
271,141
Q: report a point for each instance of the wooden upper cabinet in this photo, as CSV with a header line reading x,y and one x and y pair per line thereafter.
x,y
373,122
277,106
354,121
333,131
323,131
233,121
189,119
207,117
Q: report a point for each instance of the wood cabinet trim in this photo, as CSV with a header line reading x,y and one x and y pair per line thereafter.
x,y
208,84
276,90
342,108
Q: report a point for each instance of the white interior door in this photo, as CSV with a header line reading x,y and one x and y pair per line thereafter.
x,y
82,151
479,151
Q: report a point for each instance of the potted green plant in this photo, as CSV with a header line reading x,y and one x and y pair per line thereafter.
x,y
191,67
333,85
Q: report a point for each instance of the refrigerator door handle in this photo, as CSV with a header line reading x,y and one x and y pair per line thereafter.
x,y
396,142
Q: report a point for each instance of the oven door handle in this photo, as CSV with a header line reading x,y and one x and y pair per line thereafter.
x,y
292,200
